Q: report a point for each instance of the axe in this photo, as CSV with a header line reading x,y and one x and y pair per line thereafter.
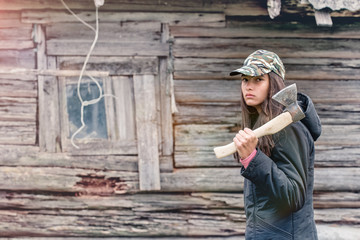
x,y
292,113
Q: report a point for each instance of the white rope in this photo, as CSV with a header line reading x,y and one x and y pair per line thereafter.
x,y
77,17
93,101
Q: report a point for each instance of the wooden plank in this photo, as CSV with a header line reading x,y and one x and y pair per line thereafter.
x,y
339,216
245,8
147,132
49,123
323,200
207,91
207,113
11,22
55,179
50,72
81,4
315,90
337,156
18,88
73,47
329,179
210,201
166,97
296,69
10,15
229,179
203,156
203,134
19,133
22,32
178,19
241,48
113,65
337,113
17,58
110,112
217,91
27,156
337,231
123,5
218,113
340,135
18,109
114,32
16,44
194,145
322,72
132,215
203,179
99,147
267,29
124,107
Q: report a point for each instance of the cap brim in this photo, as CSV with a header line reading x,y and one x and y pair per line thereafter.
x,y
250,70
234,73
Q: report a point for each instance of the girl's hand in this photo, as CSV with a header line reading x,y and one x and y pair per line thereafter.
x,y
245,142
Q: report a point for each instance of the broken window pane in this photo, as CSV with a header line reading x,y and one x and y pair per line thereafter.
x,y
94,115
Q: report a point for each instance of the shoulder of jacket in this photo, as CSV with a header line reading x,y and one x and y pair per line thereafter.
x,y
294,132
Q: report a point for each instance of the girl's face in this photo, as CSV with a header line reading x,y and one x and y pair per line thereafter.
x,y
255,90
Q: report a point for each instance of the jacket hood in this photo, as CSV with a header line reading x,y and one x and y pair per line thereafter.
x,y
311,120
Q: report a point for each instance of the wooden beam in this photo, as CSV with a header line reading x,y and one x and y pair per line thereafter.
x,y
81,48
147,132
227,91
217,47
166,88
112,65
51,72
49,122
178,19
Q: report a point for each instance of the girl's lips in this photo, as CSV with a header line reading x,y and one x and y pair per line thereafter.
x,y
249,95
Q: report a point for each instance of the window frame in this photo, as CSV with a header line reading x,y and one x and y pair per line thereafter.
x,y
112,145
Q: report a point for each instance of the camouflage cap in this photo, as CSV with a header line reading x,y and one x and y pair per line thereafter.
x,y
261,62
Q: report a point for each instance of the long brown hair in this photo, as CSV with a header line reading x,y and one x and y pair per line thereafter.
x,y
270,109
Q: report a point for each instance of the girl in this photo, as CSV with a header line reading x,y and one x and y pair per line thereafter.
x,y
278,169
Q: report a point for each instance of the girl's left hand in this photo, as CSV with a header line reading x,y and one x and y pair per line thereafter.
x,y
245,142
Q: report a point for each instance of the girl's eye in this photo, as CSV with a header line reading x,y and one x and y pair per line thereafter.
x,y
244,80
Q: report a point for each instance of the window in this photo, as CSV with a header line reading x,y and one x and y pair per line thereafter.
x,y
109,123
136,121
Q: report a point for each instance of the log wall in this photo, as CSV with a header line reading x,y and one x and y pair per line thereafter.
x,y
47,192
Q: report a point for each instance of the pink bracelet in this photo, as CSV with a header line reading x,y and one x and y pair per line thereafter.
x,y
245,162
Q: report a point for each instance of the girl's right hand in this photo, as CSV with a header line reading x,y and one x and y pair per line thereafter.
x,y
245,142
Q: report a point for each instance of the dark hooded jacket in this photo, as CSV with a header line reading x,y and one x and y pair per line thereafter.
x,y
278,189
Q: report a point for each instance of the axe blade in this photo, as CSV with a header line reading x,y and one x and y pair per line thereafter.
x,y
288,98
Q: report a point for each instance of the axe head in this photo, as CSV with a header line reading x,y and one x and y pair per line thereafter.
x,y
288,98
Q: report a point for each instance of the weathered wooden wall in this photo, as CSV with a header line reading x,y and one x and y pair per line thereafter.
x,y
48,189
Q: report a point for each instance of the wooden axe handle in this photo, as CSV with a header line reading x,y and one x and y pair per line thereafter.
x,y
273,126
